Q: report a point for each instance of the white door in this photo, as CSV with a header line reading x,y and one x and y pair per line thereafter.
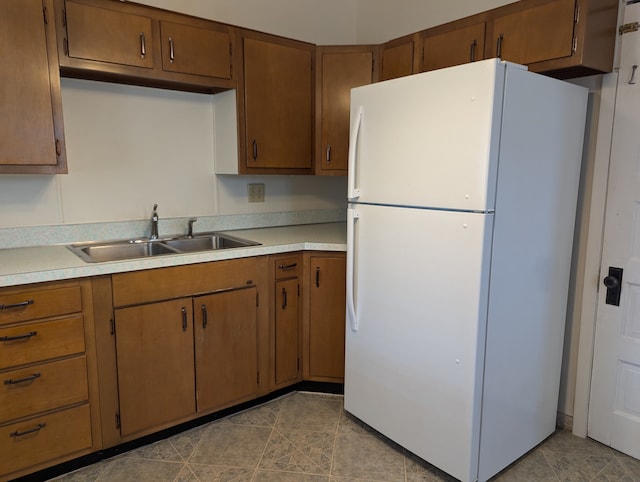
x,y
614,411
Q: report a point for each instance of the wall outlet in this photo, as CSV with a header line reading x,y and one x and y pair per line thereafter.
x,y
255,192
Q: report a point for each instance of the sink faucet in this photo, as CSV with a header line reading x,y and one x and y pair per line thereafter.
x,y
190,228
154,222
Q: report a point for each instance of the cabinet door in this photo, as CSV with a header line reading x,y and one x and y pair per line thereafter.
x,y
193,50
535,34
29,92
287,331
327,305
340,72
154,349
107,35
397,59
278,105
226,348
459,46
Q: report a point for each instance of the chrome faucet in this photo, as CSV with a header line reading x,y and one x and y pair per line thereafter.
x,y
190,228
154,222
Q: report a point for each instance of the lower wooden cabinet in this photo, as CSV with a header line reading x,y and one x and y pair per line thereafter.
x,y
226,347
154,346
164,345
48,378
186,341
324,316
286,332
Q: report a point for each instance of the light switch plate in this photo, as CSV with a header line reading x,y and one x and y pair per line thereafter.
x,y
255,192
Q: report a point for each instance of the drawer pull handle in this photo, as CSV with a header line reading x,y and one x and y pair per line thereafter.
x,y
19,337
287,267
172,56
37,428
16,305
205,317
184,319
30,378
143,46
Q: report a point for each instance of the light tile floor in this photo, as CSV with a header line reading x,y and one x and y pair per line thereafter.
x,y
307,437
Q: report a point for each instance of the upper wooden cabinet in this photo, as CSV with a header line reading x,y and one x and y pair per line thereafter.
x,y
535,34
276,109
107,35
453,44
196,50
399,57
562,38
338,70
136,44
31,128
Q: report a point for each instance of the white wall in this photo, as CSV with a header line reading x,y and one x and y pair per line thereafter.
x,y
323,22
378,21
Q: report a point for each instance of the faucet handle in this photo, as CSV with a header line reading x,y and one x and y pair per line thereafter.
x,y
190,222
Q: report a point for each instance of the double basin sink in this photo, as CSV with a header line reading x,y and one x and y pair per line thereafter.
x,y
98,252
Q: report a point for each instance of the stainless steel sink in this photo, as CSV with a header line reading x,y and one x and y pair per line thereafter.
x,y
141,248
207,242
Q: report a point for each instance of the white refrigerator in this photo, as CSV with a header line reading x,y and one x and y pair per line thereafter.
x,y
462,192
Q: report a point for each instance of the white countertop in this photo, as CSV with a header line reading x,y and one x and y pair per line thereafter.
x,y
20,266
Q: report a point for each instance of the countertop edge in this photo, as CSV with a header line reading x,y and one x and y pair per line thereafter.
x,y
22,266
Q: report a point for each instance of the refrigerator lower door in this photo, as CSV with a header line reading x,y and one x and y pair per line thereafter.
x,y
418,286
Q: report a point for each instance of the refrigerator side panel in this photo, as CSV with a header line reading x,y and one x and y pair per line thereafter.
x,y
539,169
414,359
428,139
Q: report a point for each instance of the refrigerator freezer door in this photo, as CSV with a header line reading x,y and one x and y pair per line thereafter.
x,y
428,140
414,356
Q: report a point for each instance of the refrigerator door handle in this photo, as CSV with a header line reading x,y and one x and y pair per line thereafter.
x,y
352,216
354,193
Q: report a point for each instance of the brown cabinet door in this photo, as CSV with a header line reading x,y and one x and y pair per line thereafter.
x,y
107,35
226,347
465,44
535,34
278,105
194,50
287,331
154,349
341,71
397,60
327,305
27,91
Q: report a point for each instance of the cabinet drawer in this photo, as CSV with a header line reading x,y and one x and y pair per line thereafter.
x,y
42,387
40,439
289,267
44,303
34,342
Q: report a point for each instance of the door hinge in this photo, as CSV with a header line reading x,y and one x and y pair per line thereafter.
x,y
44,14
64,17
574,45
629,27
65,45
58,148
112,325
576,14
118,420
